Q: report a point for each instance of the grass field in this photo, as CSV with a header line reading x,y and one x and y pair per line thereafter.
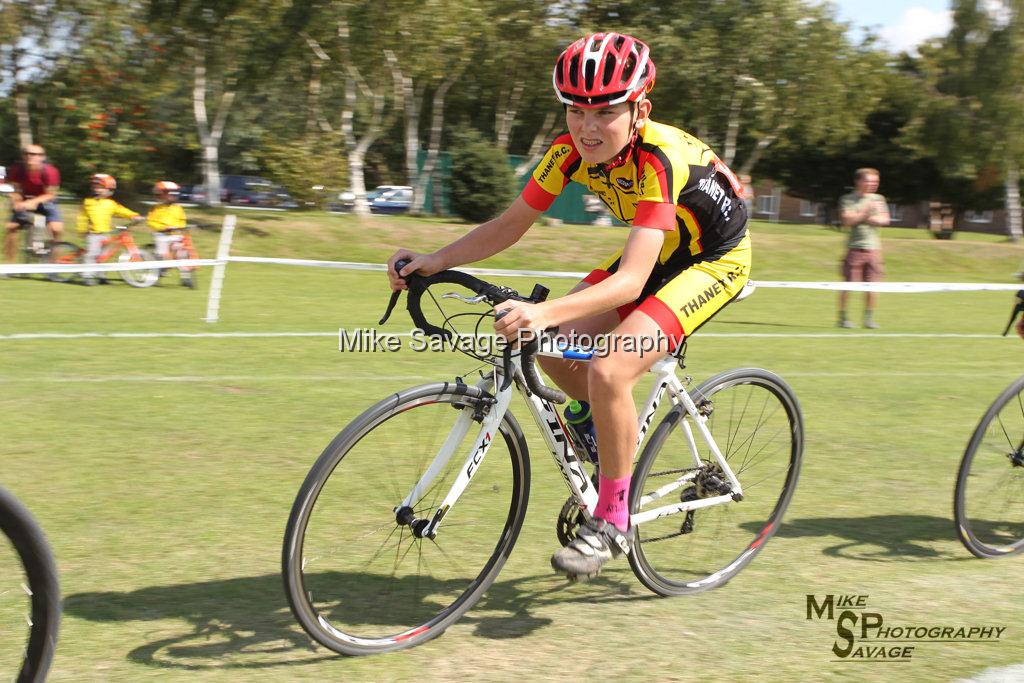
x,y
163,468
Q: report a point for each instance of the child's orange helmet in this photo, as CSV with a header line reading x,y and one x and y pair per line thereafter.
x,y
167,186
103,180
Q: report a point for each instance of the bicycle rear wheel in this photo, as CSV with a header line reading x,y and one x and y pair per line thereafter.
x,y
989,500
64,253
358,581
756,422
29,596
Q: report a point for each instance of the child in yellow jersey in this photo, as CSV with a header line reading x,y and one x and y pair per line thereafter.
x,y
167,221
94,219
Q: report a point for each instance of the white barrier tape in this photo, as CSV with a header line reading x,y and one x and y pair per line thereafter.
x,y
886,287
343,265
37,268
895,287
852,334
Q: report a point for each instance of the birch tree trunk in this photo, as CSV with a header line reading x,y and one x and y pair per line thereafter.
x,y
419,195
24,120
755,156
210,137
505,115
539,144
1013,208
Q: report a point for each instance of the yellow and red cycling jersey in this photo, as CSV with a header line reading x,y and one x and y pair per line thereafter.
x,y
166,217
669,180
96,212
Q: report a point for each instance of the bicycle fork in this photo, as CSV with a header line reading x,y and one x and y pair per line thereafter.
x,y
488,431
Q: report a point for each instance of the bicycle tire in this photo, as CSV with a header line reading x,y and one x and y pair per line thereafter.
x,y
43,589
358,608
139,278
991,525
702,549
64,253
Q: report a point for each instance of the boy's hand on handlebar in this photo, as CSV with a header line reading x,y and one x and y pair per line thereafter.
x,y
520,315
424,264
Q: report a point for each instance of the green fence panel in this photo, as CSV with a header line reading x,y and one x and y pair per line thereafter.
x,y
567,207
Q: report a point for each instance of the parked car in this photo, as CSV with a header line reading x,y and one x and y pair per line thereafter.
x,y
192,193
246,190
393,199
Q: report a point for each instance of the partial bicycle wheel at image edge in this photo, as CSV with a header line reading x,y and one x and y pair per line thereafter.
x,y
359,580
756,421
29,596
989,498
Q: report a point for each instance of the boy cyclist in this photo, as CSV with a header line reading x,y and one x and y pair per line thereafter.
x,y
167,221
686,255
94,219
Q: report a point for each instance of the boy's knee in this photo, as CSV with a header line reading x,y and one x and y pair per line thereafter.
x,y
605,375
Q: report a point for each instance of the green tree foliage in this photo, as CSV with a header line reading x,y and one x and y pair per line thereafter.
x,y
482,184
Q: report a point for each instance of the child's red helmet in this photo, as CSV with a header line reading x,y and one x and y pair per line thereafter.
x,y
603,69
103,180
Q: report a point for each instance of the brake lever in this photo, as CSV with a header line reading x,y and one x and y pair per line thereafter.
x,y
506,355
394,295
468,299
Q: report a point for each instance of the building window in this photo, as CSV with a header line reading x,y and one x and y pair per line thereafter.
x,y
978,216
766,204
808,209
895,212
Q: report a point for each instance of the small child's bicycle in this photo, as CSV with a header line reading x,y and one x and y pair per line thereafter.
x,y
182,248
118,246
988,503
409,514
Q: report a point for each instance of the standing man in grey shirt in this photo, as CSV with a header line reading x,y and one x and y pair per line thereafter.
x,y
863,212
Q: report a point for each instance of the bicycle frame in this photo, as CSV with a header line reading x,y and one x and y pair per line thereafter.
x,y
556,437
112,245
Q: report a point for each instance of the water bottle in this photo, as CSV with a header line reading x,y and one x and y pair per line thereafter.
x,y
577,415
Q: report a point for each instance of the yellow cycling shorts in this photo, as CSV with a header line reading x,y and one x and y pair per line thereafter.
x,y
685,300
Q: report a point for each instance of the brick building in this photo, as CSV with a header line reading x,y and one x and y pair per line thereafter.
x,y
771,203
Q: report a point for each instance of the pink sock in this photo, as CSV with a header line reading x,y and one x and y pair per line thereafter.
x,y
613,501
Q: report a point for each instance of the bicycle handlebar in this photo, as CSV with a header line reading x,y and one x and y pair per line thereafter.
x,y
492,294
1017,310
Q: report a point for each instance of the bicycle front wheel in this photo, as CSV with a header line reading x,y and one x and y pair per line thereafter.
x,y
29,596
989,499
755,420
359,581
139,278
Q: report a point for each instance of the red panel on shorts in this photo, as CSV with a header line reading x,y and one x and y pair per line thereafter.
x,y
666,318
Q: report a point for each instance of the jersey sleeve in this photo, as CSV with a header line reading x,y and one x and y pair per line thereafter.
x,y
552,174
51,176
662,178
123,211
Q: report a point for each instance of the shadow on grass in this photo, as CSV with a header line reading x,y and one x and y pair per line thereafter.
x,y
879,538
245,623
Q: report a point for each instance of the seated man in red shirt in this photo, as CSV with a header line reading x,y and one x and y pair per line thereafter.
x,y
35,191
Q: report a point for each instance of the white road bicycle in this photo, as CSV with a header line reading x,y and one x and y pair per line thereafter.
x,y
409,514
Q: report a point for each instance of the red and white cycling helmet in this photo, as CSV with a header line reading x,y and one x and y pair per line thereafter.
x,y
166,186
103,180
603,69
